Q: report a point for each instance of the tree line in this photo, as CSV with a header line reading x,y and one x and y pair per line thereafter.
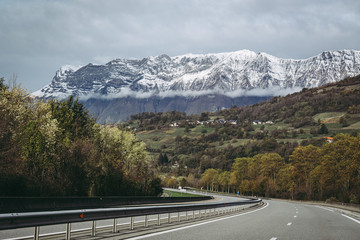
x,y
55,148
330,172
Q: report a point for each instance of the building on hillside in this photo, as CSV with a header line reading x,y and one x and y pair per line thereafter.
x,y
257,122
329,139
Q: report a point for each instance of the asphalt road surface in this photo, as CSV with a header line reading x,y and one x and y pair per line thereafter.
x,y
29,232
276,220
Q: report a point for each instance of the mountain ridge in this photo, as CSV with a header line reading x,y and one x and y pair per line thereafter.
x,y
212,73
188,77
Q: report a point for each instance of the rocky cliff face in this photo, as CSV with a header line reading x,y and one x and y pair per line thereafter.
x,y
194,83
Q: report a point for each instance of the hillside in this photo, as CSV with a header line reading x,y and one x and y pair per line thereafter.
x,y
335,103
298,108
187,146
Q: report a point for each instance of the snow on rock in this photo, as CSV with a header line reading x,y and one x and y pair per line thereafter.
x,y
232,74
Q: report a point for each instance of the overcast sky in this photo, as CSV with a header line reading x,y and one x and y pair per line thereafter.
x,y
37,37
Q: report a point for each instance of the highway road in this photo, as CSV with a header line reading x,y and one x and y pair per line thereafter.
x,y
276,220
44,230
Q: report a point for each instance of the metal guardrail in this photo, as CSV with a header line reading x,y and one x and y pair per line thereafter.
x,y
36,219
39,204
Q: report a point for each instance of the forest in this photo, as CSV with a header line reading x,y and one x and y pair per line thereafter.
x,y
55,148
330,172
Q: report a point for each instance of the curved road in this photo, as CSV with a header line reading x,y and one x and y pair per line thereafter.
x,y
44,230
276,220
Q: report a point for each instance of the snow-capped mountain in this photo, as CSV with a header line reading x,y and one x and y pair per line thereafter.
x,y
233,75
193,75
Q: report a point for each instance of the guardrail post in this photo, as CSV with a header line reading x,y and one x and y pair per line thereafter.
x,y
146,221
147,212
36,234
115,226
68,231
131,223
93,229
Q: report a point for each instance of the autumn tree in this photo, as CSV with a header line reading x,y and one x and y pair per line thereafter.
x,y
304,160
209,178
239,173
224,180
340,168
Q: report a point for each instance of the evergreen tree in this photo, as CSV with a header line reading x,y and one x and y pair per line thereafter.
x,y
323,129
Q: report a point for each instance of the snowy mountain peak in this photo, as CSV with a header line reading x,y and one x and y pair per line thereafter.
x,y
233,74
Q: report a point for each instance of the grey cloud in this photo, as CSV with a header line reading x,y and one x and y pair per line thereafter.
x,y
126,92
37,37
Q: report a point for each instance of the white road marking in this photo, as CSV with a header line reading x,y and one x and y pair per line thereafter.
x,y
273,238
195,225
295,216
289,223
357,221
325,208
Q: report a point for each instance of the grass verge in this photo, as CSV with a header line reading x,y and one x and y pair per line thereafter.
x,y
180,194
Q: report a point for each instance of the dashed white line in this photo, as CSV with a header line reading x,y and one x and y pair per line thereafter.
x,y
295,216
273,238
289,223
357,221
